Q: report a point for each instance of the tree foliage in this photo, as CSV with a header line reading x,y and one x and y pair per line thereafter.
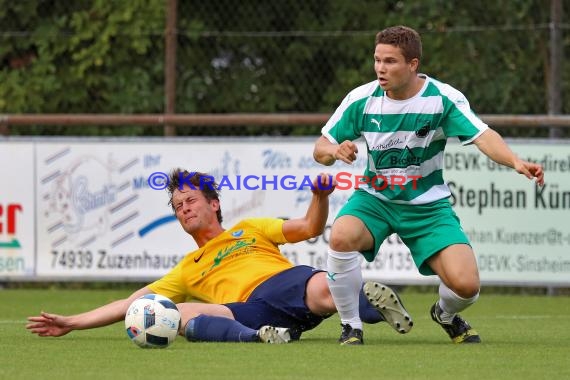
x,y
82,56
100,56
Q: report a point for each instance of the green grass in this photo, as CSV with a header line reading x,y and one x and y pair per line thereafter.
x,y
524,337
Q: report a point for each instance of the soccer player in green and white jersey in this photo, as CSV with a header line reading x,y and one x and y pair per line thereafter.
x,y
405,118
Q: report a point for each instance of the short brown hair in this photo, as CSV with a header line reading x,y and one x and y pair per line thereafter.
x,y
197,181
406,38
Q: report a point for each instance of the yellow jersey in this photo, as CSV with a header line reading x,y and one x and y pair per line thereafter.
x,y
230,266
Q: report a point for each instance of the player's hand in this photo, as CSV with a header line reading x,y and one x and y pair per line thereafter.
x,y
48,325
324,184
530,170
346,152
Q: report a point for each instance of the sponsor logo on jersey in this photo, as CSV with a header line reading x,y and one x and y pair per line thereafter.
x,y
378,123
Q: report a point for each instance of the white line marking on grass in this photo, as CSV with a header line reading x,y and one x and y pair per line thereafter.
x,y
529,316
510,317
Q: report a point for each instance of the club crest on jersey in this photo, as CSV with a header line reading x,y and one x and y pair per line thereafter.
x,y
424,130
237,233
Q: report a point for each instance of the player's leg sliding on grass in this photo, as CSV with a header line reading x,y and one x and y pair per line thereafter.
x,y
270,317
208,328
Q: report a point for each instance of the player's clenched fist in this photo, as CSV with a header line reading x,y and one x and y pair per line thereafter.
x,y
324,184
346,152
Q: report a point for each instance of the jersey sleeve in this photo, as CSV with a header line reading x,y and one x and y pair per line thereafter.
x,y
460,121
272,228
171,285
344,123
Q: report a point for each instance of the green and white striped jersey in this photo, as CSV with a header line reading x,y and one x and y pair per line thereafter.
x,y
405,138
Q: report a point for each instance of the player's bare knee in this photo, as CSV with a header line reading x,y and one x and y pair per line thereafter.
x,y
349,234
466,288
341,243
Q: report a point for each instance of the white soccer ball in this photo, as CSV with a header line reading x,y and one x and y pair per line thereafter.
x,y
152,321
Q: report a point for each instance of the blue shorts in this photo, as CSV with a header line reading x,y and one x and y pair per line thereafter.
x,y
279,301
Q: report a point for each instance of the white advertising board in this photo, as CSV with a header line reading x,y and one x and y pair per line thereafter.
x,y
98,216
17,211
520,232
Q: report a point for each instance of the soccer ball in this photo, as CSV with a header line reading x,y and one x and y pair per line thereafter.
x,y
152,321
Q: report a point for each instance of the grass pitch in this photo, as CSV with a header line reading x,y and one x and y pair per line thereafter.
x,y
524,337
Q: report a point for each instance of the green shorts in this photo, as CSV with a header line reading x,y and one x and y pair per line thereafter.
x,y
426,229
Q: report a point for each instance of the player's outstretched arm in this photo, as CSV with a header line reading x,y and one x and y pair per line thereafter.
x,y
47,324
494,147
314,221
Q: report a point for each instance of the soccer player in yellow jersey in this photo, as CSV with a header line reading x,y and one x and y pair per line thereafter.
x,y
249,291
